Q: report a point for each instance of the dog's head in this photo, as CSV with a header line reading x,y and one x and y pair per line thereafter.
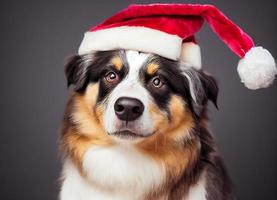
x,y
128,94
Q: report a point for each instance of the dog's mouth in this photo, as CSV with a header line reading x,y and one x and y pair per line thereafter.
x,y
127,134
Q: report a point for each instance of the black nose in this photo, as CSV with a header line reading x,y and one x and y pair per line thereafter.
x,y
128,109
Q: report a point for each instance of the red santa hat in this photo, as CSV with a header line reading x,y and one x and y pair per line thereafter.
x,y
168,30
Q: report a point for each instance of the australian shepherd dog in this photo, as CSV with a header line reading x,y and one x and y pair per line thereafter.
x,y
135,128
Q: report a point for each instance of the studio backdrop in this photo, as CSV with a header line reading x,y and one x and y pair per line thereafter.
x,y
37,36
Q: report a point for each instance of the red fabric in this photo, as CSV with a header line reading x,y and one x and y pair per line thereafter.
x,y
183,20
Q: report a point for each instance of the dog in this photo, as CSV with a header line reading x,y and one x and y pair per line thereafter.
x,y
135,128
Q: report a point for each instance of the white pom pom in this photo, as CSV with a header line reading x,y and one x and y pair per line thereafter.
x,y
257,69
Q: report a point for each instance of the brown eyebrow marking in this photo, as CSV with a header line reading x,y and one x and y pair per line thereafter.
x,y
152,68
117,63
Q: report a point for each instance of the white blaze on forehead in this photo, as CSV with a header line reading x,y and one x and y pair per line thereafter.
x,y
132,87
135,61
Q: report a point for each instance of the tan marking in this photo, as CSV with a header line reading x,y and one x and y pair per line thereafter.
x,y
181,117
84,112
152,68
174,157
117,62
167,144
78,144
89,128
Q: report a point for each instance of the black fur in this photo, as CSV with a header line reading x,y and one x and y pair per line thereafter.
x,y
179,79
82,70
194,86
203,87
218,184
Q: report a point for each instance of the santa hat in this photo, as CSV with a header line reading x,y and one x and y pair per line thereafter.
x,y
168,30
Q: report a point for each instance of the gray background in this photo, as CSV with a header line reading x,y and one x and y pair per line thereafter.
x,y
36,36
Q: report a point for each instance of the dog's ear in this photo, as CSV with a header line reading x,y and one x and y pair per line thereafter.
x,y
210,87
202,87
76,71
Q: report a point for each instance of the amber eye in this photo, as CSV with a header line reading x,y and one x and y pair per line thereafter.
x,y
157,82
111,77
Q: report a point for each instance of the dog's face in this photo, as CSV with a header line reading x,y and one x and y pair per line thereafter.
x,y
132,95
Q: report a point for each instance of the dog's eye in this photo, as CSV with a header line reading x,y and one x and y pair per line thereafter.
x,y
157,82
111,77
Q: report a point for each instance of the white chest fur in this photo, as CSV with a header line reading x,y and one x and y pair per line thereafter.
x,y
115,173
198,191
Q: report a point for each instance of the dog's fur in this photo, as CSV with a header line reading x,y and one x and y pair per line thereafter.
x,y
173,156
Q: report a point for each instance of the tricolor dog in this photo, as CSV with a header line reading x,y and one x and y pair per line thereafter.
x,y
135,125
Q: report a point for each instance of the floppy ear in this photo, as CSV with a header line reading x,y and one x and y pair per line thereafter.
x,y
76,71
202,87
210,87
